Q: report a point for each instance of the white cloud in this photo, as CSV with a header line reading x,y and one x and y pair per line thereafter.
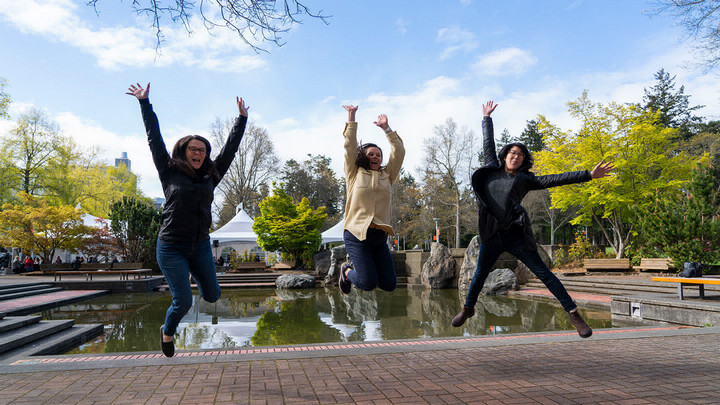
x,y
119,47
508,61
457,39
401,25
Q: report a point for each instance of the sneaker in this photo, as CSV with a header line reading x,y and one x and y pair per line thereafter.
x,y
343,282
582,328
168,348
460,318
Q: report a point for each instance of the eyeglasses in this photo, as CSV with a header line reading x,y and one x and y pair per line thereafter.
x,y
516,153
193,149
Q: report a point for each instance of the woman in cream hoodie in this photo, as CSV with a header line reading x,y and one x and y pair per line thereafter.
x,y
368,208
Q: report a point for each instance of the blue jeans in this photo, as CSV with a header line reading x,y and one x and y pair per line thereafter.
x,y
512,242
177,262
372,263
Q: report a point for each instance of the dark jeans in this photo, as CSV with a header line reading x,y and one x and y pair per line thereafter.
x,y
512,242
372,263
177,262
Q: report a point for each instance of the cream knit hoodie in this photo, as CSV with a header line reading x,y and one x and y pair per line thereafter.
x,y
369,191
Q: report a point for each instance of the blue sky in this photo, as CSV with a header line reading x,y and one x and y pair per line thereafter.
x,y
419,62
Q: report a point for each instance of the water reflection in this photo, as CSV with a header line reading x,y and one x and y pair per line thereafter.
x,y
245,318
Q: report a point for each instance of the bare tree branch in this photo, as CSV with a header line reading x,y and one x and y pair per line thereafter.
x,y
254,21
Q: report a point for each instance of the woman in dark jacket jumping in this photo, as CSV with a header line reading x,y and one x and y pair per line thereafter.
x,y
188,178
504,225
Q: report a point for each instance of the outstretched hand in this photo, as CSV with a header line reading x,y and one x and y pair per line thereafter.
x,y
382,122
602,170
138,91
351,109
488,108
242,107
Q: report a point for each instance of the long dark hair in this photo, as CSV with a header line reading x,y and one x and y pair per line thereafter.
x,y
527,159
362,160
179,158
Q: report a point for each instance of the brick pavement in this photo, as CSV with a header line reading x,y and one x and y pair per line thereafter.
x,y
665,365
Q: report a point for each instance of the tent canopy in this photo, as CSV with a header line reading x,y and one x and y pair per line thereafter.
x,y
238,229
334,234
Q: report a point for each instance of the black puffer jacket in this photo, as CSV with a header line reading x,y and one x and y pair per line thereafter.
x,y
523,182
186,216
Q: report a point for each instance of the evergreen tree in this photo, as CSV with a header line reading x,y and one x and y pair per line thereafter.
x,y
672,105
532,137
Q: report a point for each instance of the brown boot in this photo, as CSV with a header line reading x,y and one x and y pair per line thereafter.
x,y
460,318
582,328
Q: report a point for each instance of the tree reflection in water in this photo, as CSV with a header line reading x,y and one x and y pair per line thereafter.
x,y
246,318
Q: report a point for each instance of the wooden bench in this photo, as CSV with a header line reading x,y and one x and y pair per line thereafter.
x,y
684,281
606,264
127,266
654,264
124,274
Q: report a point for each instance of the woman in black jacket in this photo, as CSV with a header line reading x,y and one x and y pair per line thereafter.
x,y
504,225
188,178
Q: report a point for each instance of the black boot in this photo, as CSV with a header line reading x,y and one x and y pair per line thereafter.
x,y
168,348
460,318
582,328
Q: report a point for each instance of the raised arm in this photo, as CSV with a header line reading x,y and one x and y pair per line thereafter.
x,y
489,152
152,127
397,148
227,153
350,145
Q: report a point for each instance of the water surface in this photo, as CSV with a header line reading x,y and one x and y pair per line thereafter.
x,y
251,318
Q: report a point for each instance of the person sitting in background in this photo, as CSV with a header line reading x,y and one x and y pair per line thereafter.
x,y
29,264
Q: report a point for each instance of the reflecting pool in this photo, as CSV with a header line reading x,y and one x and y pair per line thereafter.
x,y
247,318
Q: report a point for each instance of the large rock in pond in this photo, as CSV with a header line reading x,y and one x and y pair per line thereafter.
x,y
338,256
322,262
467,271
295,281
499,282
439,270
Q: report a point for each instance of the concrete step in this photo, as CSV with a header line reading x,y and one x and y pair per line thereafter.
x,y
617,286
605,289
37,303
21,285
57,343
15,322
24,287
22,336
28,293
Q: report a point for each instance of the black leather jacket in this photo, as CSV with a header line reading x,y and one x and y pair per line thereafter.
x,y
524,182
186,216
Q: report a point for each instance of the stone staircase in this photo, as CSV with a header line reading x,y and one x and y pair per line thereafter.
x,y
26,290
614,285
28,335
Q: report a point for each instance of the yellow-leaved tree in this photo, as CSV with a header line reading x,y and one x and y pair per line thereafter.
x,y
639,146
34,225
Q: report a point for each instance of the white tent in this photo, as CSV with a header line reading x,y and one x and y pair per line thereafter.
x,y
334,234
88,220
239,229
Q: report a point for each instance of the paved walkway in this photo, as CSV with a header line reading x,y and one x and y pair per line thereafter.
x,y
650,365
